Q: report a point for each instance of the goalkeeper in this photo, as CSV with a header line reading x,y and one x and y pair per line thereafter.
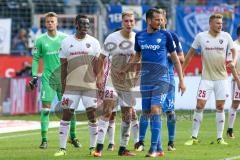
x,y
47,46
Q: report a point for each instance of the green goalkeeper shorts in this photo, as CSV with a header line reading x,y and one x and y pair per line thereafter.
x,y
48,92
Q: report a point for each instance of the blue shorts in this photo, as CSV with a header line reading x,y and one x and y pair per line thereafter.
x,y
153,95
169,104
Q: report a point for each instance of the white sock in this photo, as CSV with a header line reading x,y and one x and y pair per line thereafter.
x,y
197,119
231,117
135,130
63,132
111,131
125,134
102,130
220,119
93,131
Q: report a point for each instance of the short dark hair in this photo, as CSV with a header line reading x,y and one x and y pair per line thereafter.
x,y
78,17
238,30
150,12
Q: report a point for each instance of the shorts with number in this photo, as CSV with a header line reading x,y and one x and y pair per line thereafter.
x,y
71,99
219,87
49,91
152,95
235,91
125,98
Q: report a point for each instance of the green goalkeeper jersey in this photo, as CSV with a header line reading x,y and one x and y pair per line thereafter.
x,y
48,48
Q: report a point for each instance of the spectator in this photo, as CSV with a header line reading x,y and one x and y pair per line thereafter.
x,y
20,43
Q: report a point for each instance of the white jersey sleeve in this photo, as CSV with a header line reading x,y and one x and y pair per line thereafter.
x,y
196,43
63,50
230,41
108,46
97,48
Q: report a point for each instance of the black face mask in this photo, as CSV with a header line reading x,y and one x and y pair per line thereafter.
x,y
83,23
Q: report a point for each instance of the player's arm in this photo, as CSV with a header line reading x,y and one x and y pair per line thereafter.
x,y
178,68
174,58
232,67
35,62
100,71
64,64
179,49
188,58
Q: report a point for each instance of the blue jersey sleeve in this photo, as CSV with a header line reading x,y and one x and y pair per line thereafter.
x,y
169,43
136,46
177,42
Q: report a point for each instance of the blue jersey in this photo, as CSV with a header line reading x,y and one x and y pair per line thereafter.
x,y
154,48
178,49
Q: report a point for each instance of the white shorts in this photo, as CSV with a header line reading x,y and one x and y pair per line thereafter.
x,y
219,87
235,91
124,98
71,99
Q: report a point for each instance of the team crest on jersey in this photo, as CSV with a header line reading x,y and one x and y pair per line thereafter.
x,y
207,41
88,45
71,46
221,41
159,40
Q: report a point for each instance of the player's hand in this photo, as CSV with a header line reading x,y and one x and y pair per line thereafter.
x,y
33,82
230,65
181,87
100,83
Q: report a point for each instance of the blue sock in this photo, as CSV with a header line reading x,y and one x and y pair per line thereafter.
x,y
171,125
155,123
159,145
143,125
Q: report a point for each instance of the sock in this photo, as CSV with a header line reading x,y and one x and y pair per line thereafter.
x,y
159,145
111,131
143,125
44,123
171,125
73,127
155,123
102,130
231,117
125,133
197,119
220,119
93,131
63,133
135,130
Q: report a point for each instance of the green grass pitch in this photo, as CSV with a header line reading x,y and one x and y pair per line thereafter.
x,y
24,145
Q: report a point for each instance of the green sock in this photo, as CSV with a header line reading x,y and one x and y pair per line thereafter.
x,y
73,127
44,123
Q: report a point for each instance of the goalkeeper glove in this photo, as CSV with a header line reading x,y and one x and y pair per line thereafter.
x,y
33,82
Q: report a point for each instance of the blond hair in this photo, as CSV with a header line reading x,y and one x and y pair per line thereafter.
x,y
51,14
215,16
127,13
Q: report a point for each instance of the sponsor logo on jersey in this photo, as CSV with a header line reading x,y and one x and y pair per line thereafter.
x,y
150,47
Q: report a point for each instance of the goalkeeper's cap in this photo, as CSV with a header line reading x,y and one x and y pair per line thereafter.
x,y
238,30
